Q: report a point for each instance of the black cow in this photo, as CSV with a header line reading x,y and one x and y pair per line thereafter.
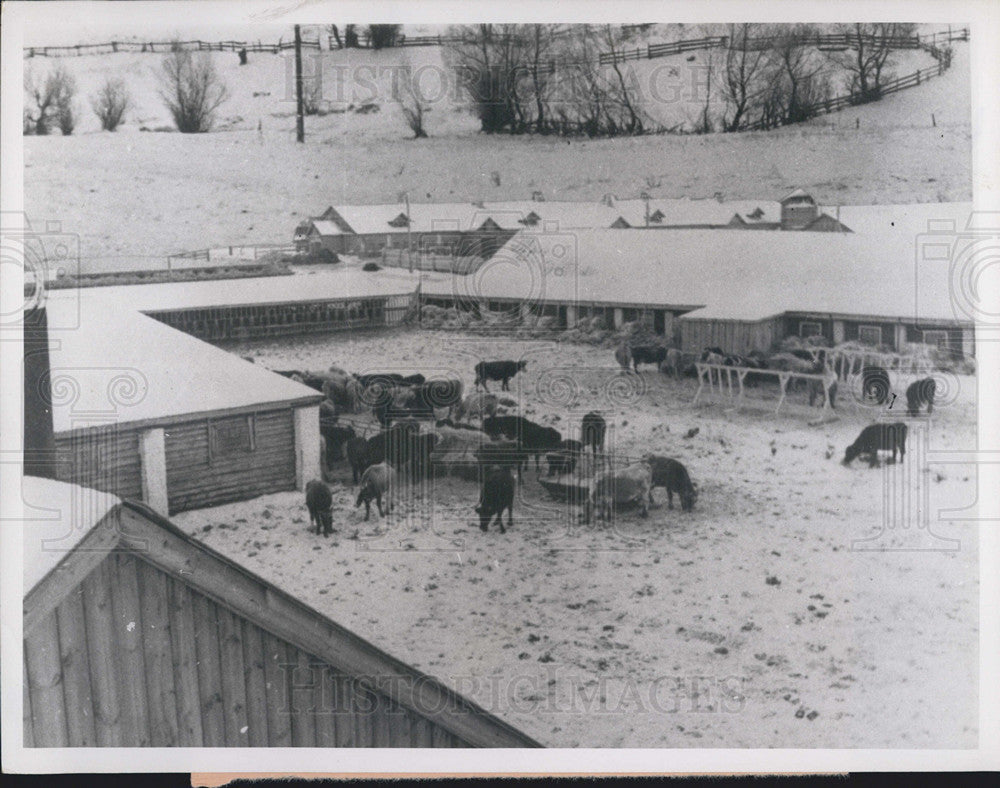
x,y
506,454
592,431
919,393
875,384
361,456
496,495
718,351
564,460
498,370
319,502
875,438
674,477
531,437
648,354
336,439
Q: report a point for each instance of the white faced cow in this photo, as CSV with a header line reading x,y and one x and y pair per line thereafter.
x,y
618,488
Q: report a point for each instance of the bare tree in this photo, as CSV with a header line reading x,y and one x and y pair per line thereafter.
x,y
110,103
869,55
741,75
191,89
794,74
50,100
383,36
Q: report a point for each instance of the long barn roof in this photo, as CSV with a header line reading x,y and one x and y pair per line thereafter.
x,y
727,274
117,366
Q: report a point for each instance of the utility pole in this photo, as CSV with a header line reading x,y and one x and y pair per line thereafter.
x,y
300,126
409,246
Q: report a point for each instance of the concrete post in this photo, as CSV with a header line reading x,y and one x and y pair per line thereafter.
x,y
968,342
571,316
525,313
668,325
307,446
900,338
619,317
153,468
838,331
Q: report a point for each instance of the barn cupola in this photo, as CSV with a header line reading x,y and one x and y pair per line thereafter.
x,y
798,211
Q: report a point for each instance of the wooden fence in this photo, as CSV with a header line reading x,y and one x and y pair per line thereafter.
x,y
730,381
166,46
826,41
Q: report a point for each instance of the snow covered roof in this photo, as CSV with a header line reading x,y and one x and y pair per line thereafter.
x,y
424,218
707,213
57,516
345,281
154,376
725,274
326,227
558,215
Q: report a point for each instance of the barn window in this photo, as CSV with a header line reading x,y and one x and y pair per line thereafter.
x,y
810,329
231,436
937,338
870,335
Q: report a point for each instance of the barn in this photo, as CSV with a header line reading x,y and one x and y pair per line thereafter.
x,y
137,635
166,418
708,287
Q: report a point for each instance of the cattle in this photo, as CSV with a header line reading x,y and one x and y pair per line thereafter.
x,y
875,438
377,481
496,495
564,460
673,476
456,448
919,393
805,355
498,370
816,393
336,439
875,384
505,453
476,405
712,351
618,488
361,455
531,437
624,357
593,429
648,354
319,502
419,401
340,394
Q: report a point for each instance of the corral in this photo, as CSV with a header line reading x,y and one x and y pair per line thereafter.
x,y
724,626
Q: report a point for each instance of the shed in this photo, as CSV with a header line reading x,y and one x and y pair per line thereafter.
x,y
168,419
137,635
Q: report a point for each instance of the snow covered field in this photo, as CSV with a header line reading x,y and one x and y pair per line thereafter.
x,y
779,613
134,197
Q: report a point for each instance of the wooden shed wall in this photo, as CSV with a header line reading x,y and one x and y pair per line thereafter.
x,y
733,336
133,657
103,458
200,473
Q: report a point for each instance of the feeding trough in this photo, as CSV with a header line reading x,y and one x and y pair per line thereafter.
x,y
570,493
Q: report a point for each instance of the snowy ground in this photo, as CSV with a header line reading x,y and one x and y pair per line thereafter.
x,y
779,613
134,197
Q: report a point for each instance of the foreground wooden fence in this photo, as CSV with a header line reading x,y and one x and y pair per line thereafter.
x,y
730,381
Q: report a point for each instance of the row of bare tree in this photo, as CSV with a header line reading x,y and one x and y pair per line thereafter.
x,y
188,85
548,79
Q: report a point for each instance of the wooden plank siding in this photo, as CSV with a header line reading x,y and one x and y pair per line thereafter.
x,y
103,458
200,475
136,657
733,336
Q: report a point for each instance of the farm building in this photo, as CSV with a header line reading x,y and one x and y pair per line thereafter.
x,y
741,296
225,309
166,418
137,635
463,229
439,228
